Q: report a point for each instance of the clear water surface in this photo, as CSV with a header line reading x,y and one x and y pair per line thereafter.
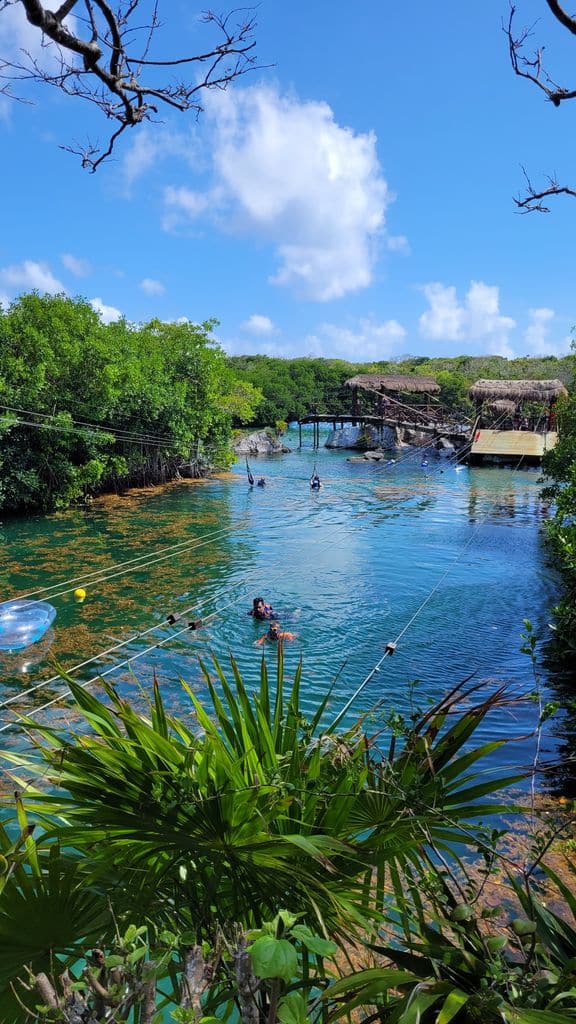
x,y
345,568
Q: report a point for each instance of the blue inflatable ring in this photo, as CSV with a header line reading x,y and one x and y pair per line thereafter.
x,y
23,623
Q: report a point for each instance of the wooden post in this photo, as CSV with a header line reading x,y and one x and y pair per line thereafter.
x,y
299,434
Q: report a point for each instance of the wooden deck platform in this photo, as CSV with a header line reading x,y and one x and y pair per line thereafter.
x,y
512,444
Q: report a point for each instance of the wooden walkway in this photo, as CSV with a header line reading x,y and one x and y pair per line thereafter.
x,y
512,444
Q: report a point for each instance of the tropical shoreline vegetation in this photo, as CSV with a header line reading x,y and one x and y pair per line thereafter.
x,y
88,408
221,867
292,387
224,869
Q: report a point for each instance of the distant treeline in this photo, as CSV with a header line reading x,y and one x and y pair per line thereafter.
x,y
292,387
87,407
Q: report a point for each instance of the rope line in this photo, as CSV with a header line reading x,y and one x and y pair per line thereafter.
x,y
158,625
392,645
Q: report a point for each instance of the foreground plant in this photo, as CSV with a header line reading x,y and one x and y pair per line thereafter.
x,y
459,959
206,829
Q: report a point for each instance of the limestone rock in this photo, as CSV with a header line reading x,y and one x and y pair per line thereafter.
x,y
358,437
259,443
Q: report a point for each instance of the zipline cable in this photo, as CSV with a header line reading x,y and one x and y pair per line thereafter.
x,y
99,573
129,640
392,645
192,546
389,649
110,650
139,561
46,682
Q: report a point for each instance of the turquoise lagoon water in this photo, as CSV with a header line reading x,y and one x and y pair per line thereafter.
x,y
345,568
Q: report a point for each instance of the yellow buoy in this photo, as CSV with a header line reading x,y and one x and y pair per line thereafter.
x,y
80,594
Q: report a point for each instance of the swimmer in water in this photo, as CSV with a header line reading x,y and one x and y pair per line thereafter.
x,y
261,610
275,633
315,483
261,482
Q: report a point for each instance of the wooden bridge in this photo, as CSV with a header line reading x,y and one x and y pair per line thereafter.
x,y
383,400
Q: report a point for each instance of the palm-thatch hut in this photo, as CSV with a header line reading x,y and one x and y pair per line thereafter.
x,y
394,383
386,390
503,406
517,391
516,419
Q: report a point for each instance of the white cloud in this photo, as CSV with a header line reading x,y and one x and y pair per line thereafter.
x,y
108,314
30,276
184,200
537,334
476,319
259,325
285,170
152,287
369,341
76,266
149,146
20,43
398,243
4,301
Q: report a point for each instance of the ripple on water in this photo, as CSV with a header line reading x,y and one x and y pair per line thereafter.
x,y
345,569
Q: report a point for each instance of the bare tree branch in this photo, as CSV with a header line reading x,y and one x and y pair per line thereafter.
x,y
102,55
533,199
530,65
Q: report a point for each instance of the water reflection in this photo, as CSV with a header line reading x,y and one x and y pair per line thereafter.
x,y
347,566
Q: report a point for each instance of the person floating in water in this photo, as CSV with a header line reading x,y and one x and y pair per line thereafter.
x,y
275,633
261,482
315,482
261,610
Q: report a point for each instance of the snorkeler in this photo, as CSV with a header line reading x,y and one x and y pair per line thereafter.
x,y
261,610
275,633
261,482
315,483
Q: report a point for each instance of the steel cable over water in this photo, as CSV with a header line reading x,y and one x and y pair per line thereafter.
x,y
390,647
101,573
159,625
392,644
45,683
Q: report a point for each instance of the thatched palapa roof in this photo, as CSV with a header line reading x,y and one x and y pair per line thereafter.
x,y
503,405
394,382
517,390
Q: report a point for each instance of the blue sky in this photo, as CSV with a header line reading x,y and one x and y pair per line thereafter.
x,y
353,201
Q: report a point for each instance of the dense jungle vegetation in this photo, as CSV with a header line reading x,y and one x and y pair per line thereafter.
x,y
87,407
292,387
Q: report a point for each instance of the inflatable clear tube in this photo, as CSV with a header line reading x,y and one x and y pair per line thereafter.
x,y
23,623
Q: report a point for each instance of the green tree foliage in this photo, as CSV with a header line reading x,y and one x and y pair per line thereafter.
x,y
294,387
90,407
207,824
560,465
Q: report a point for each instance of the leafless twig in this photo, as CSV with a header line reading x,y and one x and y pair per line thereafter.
x,y
97,51
529,64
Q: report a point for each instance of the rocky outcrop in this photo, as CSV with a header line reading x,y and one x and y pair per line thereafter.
x,y
259,443
361,437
